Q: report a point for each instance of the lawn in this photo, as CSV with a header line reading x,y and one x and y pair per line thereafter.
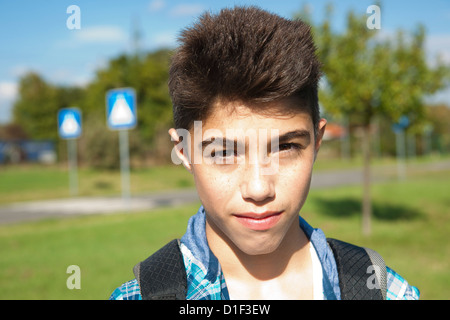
x,y
411,226
35,182
410,229
35,256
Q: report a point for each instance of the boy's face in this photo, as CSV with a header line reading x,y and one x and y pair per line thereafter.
x,y
253,188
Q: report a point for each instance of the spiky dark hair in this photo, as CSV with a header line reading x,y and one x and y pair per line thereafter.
x,y
243,54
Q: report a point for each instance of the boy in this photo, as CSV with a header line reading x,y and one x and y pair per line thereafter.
x,y
244,88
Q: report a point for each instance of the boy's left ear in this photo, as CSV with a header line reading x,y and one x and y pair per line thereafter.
x,y
319,136
179,148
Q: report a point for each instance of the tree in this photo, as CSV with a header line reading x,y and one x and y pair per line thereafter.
x,y
35,110
366,76
38,104
12,132
439,118
148,75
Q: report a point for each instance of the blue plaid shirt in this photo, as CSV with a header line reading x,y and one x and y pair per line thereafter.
x,y
206,281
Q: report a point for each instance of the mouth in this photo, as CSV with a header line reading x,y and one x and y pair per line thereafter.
x,y
259,221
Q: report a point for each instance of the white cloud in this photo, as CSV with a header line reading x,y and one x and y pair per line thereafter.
x,y
187,10
5,112
8,90
8,93
18,71
71,77
80,75
93,35
156,5
165,39
100,34
438,45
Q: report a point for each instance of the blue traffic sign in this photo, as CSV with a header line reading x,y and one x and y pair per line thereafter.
x,y
401,125
69,123
121,109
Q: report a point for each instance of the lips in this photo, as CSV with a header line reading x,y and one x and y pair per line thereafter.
x,y
259,221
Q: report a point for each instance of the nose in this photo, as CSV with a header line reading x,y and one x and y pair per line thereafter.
x,y
255,186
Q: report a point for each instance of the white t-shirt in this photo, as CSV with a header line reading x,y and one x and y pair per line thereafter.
x,y
317,274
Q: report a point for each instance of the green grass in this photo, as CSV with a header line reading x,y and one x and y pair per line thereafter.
x,y
410,226
34,182
411,229
35,256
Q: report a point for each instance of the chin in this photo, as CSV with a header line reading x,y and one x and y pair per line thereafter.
x,y
255,247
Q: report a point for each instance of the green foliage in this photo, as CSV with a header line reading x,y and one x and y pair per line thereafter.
x,y
38,104
36,108
99,146
438,126
148,75
39,101
366,74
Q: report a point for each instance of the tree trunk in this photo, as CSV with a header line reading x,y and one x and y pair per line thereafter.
x,y
367,202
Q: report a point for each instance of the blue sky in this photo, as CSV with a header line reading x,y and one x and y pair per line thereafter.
x,y
34,35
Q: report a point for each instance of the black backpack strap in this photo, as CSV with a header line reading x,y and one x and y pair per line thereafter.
x,y
162,276
362,271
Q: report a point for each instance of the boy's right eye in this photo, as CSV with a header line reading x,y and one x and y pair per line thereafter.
x,y
223,153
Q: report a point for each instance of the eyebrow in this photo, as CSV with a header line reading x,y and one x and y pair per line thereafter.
x,y
302,134
225,142
285,137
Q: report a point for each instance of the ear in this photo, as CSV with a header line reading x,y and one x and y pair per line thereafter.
x,y
180,154
319,136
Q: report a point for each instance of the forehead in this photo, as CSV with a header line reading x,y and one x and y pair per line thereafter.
x,y
283,115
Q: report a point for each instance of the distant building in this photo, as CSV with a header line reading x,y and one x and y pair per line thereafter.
x,y
334,131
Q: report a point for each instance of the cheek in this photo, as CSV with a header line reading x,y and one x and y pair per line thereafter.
x,y
298,180
293,184
213,189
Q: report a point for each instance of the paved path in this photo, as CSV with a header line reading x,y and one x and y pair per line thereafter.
x,y
36,210
93,205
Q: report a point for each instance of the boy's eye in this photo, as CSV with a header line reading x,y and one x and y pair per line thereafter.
x,y
288,147
223,153
285,146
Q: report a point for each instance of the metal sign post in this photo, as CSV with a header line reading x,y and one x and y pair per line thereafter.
x,y
399,130
69,128
73,166
124,164
121,116
400,150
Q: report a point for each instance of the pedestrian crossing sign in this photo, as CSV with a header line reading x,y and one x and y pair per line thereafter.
x,y
69,123
121,109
